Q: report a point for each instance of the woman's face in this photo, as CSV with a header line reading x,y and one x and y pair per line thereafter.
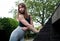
x,y
21,9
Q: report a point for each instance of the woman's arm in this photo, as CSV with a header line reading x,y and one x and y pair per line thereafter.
x,y
31,22
29,26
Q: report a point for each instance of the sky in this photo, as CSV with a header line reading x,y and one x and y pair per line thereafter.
x,y
6,6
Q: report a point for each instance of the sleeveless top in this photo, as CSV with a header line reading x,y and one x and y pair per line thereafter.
x,y
27,19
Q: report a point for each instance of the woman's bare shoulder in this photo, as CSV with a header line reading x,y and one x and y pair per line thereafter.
x,y
21,16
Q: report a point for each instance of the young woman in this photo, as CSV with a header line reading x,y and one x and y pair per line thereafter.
x,y
25,24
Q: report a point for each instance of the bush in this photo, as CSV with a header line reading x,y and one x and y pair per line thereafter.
x,y
8,25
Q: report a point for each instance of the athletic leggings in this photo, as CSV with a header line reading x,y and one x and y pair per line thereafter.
x,y
17,34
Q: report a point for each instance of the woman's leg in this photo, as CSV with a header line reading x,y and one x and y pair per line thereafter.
x,y
17,34
13,36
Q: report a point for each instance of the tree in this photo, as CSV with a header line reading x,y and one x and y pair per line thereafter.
x,y
41,10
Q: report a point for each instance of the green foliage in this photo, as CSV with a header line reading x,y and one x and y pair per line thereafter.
x,y
41,10
8,24
29,34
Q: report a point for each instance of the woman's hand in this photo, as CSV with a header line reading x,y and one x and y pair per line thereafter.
x,y
33,29
24,28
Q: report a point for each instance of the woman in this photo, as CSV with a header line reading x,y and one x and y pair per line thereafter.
x,y
25,23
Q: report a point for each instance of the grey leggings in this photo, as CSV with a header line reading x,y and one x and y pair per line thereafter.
x,y
17,34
